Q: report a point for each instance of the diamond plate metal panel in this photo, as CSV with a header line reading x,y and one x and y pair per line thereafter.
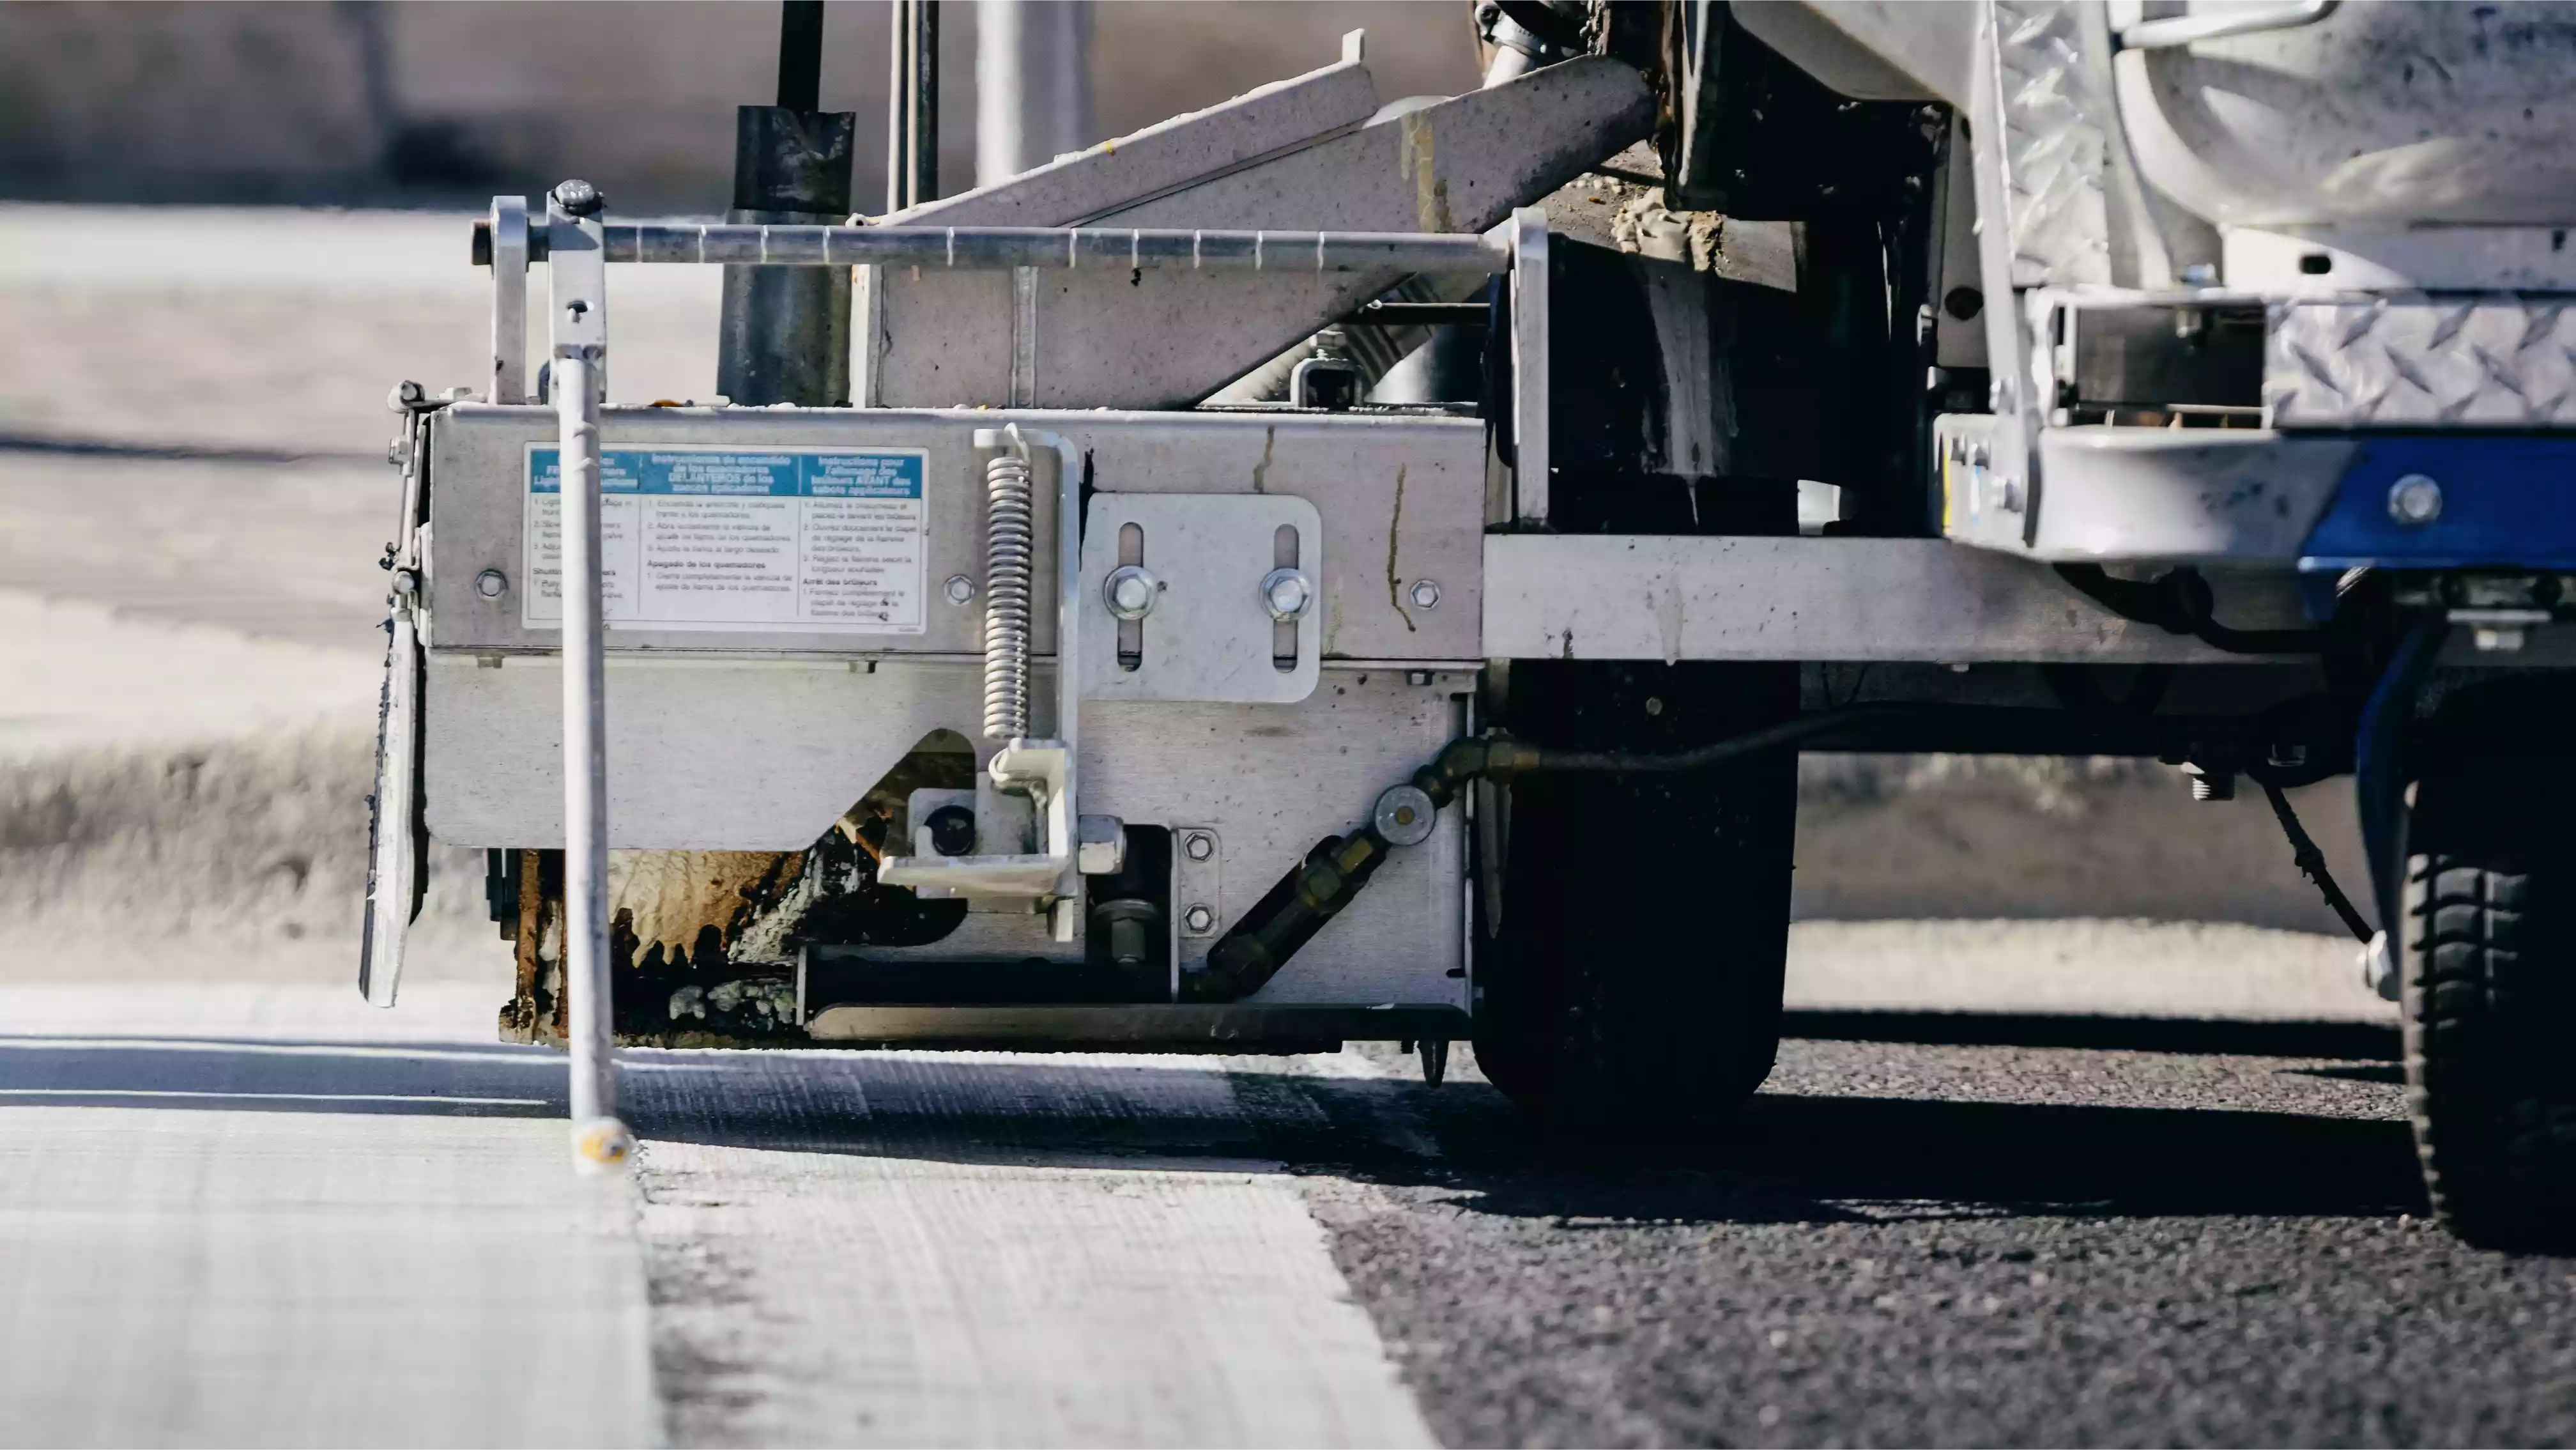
x,y
2056,154
2491,360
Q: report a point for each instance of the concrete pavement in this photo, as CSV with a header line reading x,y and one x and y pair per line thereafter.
x,y
228,1218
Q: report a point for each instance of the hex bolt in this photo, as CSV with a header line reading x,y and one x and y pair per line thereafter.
x,y
1198,845
1199,920
1130,591
960,588
578,197
491,583
2415,500
1425,593
1286,593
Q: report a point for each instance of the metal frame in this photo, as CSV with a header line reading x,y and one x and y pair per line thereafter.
x,y
1177,1027
1672,597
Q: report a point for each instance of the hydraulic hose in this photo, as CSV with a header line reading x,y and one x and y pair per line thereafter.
x,y
2179,602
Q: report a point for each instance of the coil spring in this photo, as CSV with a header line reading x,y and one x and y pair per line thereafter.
x,y
1010,532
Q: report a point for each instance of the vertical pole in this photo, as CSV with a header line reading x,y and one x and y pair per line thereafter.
x,y
783,333
577,268
899,66
800,55
1032,84
921,127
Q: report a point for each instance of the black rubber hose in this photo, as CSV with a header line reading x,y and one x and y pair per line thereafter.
x,y
2193,602
2312,862
2179,602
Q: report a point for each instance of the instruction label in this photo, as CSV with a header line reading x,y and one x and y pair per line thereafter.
x,y
804,540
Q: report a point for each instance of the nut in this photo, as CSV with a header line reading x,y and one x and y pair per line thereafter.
x,y
578,197
1199,920
1425,593
960,588
1198,845
491,583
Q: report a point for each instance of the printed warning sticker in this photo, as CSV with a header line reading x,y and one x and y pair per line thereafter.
x,y
803,540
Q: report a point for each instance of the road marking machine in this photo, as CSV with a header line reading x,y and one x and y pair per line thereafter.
x,y
1334,566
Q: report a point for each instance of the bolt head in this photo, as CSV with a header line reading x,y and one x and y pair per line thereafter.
x,y
1198,845
1404,815
960,588
2415,500
1199,920
1286,593
1130,591
952,830
491,583
1425,593
578,197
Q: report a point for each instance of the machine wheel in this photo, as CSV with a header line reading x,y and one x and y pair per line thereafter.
x,y
2489,964
1629,987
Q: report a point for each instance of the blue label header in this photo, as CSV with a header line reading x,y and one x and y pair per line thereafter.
x,y
729,473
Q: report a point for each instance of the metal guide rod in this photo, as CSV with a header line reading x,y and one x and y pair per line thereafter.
x,y
1064,248
1032,84
580,332
912,105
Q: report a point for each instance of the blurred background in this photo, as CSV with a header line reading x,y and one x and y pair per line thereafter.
x,y
227,230
403,103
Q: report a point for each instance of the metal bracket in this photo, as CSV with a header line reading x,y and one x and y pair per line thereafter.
x,y
509,381
1198,886
1529,366
1212,631
577,281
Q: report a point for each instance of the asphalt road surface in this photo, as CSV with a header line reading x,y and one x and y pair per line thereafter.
x,y
264,1214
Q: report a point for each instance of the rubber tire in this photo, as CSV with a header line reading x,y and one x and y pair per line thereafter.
x,y
1630,990
2488,957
